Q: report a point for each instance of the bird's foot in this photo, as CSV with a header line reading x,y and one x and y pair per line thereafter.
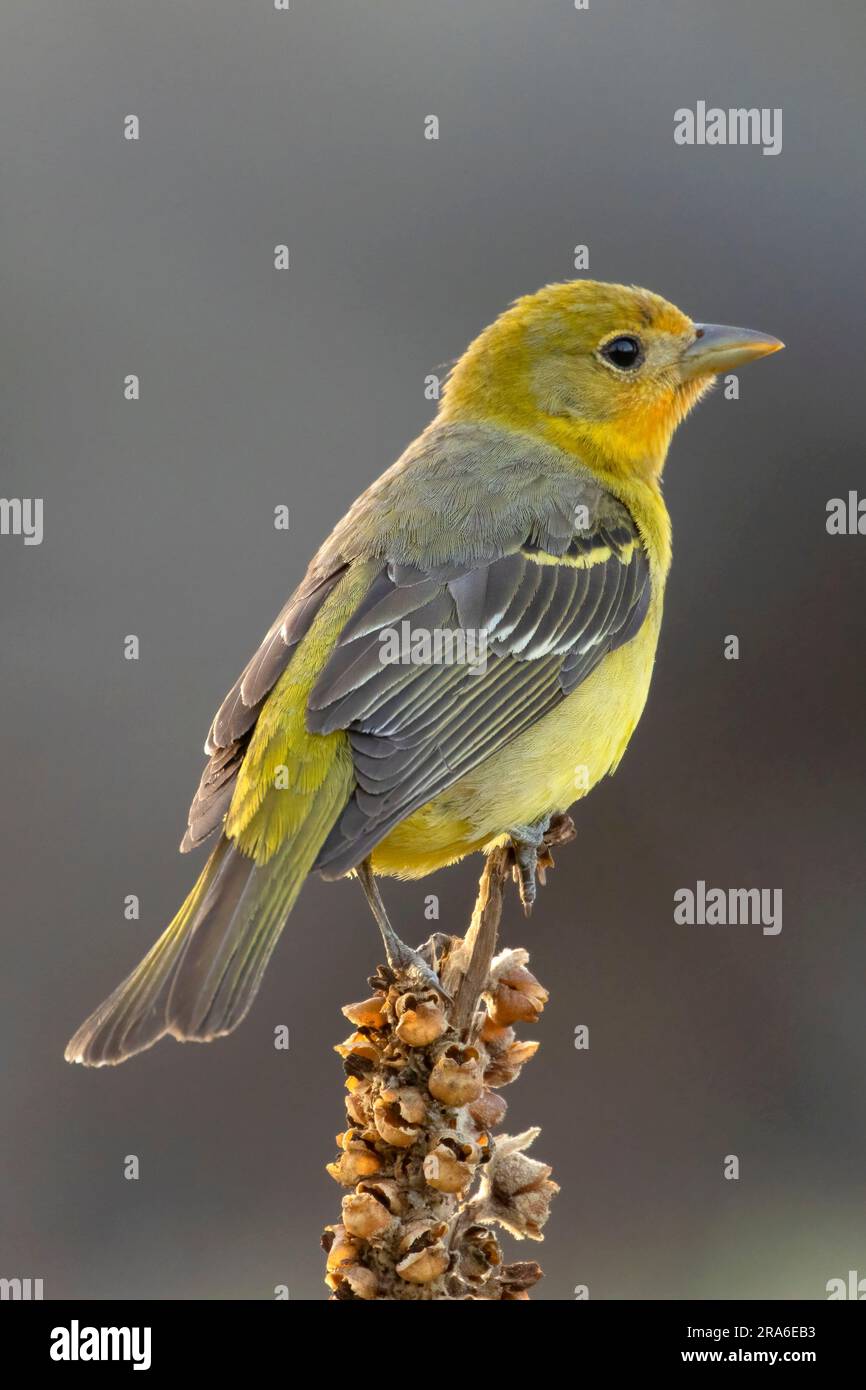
x,y
411,968
530,849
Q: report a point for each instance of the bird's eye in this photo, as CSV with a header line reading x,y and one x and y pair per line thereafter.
x,y
623,352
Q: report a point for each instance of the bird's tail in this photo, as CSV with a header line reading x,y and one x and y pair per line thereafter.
x,y
200,978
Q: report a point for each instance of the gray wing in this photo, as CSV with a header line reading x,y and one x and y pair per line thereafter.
x,y
548,612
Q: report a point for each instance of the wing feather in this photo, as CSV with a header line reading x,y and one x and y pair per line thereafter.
x,y
550,620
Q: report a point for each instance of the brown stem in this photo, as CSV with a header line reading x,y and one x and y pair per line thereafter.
x,y
467,969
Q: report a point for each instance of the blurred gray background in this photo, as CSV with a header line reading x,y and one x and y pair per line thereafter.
x,y
260,388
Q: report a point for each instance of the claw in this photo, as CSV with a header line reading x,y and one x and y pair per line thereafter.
x,y
530,849
411,966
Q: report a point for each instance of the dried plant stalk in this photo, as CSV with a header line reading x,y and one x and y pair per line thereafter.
x,y
427,1180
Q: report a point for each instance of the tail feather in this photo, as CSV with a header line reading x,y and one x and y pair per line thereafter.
x,y
201,977
225,959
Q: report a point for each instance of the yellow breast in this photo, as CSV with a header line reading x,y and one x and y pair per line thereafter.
x,y
545,770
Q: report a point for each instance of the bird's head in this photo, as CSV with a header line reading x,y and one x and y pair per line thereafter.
x,y
605,371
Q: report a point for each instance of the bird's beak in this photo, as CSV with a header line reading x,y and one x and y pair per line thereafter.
x,y
718,348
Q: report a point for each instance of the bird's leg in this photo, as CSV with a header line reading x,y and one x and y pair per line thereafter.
x,y
526,840
402,960
530,848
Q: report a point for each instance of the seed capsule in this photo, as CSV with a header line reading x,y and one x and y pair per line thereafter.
x,y
456,1078
343,1249
445,1171
398,1114
423,1266
421,1021
488,1110
354,1164
368,1013
517,997
364,1216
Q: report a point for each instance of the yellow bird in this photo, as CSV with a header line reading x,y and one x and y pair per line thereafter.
x,y
469,651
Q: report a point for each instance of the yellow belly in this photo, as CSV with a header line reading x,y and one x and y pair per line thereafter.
x,y
545,770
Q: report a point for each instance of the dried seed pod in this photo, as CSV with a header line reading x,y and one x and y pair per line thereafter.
x,y
529,1210
495,1035
445,1171
397,1115
520,1275
386,1191
517,1172
368,1013
424,1231
361,1280
423,1266
488,1110
358,1045
468,1150
479,1254
456,1078
357,1138
516,1190
420,1021
392,1129
515,994
355,1163
358,1104
364,1216
411,1101
505,1067
342,1249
